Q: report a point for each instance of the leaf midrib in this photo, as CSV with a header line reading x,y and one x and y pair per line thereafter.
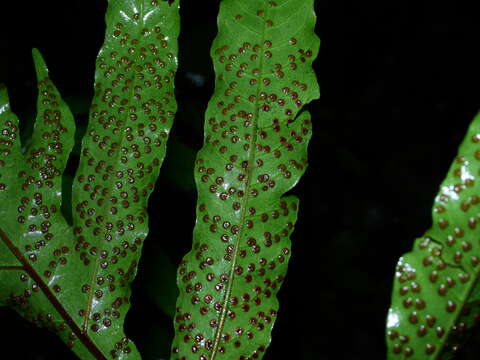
x,y
88,308
244,201
83,337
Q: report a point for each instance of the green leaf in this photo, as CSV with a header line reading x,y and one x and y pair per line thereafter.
x,y
255,150
436,297
76,280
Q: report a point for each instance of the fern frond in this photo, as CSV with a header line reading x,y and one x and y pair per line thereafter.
x,y
75,280
255,150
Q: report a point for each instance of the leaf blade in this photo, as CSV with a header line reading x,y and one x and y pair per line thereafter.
x,y
10,154
435,293
255,150
122,151
30,204
54,278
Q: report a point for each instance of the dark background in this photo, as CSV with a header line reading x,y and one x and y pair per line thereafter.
x,y
399,83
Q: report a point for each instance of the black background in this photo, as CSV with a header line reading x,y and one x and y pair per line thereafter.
x,y
399,83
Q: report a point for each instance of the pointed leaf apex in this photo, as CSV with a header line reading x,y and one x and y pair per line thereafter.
x,y
40,65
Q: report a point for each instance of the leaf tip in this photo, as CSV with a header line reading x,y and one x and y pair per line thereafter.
x,y
40,65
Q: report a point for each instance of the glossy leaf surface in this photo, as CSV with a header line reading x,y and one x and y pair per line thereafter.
x,y
255,150
76,279
436,298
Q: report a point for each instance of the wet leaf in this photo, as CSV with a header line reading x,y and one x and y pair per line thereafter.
x,y
255,150
76,280
436,298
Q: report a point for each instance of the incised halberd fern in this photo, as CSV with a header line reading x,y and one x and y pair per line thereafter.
x,y
255,150
75,279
